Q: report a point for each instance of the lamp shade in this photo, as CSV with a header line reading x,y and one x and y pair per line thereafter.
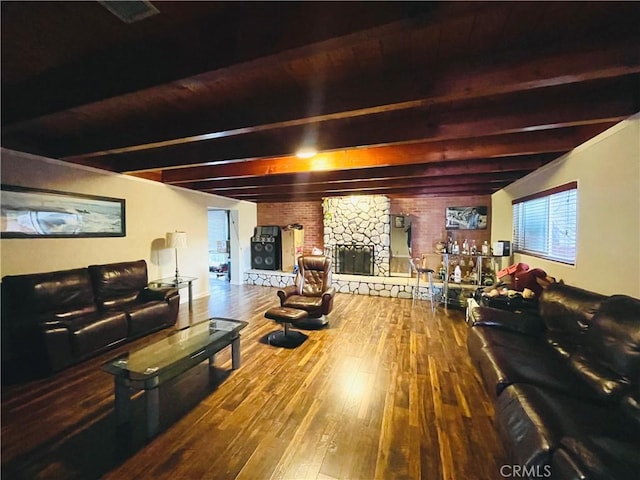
x,y
176,240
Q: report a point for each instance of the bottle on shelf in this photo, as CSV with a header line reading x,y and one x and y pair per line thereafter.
x,y
465,247
485,248
457,274
474,249
456,248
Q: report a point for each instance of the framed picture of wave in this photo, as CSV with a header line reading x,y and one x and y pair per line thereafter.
x,y
466,218
36,213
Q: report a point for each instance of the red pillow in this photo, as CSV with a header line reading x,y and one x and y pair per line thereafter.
x,y
529,279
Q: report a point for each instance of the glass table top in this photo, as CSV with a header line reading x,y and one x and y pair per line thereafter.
x,y
171,281
178,349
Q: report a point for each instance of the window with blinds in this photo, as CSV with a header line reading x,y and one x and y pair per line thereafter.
x,y
545,224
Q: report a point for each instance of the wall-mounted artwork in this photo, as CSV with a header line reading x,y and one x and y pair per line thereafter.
x,y
466,218
35,213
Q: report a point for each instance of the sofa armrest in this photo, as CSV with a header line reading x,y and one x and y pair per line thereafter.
x,y
149,294
528,324
286,292
53,325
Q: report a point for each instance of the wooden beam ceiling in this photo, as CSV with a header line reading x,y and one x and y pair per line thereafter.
x,y
401,98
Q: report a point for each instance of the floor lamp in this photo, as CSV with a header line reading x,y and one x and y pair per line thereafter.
x,y
177,240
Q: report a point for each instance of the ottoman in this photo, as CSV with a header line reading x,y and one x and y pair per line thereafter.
x,y
286,316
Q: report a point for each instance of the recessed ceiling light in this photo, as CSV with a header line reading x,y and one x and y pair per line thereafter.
x,y
306,152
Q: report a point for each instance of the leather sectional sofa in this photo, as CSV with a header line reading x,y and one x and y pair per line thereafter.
x,y
566,383
55,319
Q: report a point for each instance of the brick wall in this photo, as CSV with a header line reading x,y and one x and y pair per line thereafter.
x,y
428,215
307,214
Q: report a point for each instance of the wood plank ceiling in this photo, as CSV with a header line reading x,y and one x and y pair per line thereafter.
x,y
402,99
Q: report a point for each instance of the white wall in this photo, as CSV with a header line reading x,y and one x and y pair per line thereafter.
x,y
152,209
607,169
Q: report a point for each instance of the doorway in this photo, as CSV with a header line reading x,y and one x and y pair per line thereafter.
x,y
219,260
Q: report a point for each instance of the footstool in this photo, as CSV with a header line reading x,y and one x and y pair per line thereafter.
x,y
286,316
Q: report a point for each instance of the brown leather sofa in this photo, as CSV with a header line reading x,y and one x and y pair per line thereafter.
x,y
566,383
55,319
312,290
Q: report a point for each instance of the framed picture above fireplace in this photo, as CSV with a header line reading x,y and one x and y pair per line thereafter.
x,y
466,218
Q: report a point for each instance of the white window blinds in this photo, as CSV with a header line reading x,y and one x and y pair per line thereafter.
x,y
545,224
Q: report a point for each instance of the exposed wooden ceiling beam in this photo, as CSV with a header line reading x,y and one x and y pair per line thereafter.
x,y
406,172
374,184
399,192
527,143
499,117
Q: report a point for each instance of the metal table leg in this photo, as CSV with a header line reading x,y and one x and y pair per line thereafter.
x,y
235,353
153,410
122,400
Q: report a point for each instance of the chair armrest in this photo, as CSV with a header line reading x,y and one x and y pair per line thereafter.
x,y
528,324
286,292
327,300
330,292
148,294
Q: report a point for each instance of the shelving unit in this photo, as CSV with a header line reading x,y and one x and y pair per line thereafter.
x,y
474,270
472,267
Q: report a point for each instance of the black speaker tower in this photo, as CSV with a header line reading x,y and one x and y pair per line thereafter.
x,y
266,248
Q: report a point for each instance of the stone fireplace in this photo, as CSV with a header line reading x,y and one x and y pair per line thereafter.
x,y
358,224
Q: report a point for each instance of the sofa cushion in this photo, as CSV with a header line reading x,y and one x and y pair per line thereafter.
x,y
610,358
614,336
481,337
526,323
596,458
532,421
568,310
118,284
303,302
61,293
94,332
631,404
563,344
501,366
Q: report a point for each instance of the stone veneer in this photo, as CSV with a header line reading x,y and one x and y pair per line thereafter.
x,y
394,287
360,220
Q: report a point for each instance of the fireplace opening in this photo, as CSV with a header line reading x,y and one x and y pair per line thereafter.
x,y
354,259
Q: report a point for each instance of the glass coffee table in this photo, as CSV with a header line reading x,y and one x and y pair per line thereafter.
x,y
150,366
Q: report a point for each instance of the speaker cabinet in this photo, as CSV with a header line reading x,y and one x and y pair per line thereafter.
x,y
265,255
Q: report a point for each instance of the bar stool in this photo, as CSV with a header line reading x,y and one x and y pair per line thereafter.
x,y
417,294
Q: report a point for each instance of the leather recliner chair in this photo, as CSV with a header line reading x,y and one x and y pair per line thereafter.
x,y
312,290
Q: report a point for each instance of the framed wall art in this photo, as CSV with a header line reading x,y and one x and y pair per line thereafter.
x,y
466,218
37,213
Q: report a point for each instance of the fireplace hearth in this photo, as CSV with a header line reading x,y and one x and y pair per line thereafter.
x,y
354,259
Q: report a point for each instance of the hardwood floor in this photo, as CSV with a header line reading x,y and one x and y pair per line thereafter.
x,y
386,392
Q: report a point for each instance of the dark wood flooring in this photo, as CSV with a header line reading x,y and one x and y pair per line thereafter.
x,y
387,391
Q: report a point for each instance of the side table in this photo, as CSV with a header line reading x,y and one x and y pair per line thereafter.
x,y
180,282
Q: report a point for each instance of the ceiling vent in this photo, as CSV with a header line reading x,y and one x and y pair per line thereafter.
x,y
130,12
